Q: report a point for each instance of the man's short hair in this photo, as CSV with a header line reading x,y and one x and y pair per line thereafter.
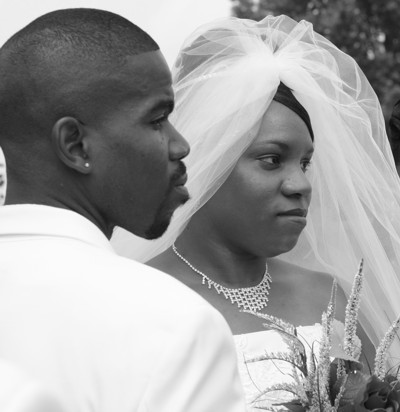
x,y
54,50
89,32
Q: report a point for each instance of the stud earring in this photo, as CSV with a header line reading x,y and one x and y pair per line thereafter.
x,y
87,164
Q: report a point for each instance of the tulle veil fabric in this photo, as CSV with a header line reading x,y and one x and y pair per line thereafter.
x,y
225,77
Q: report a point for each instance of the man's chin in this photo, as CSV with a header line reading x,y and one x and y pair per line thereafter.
x,y
162,221
156,230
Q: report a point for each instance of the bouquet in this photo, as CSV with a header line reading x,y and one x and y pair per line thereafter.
x,y
322,384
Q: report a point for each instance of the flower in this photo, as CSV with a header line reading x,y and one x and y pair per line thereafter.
x,y
381,353
323,385
368,393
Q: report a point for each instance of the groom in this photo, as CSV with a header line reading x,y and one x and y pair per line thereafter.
x,y
85,97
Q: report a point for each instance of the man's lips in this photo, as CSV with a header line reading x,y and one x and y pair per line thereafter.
x,y
294,212
181,181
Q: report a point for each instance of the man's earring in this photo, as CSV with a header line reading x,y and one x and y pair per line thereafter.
x,y
86,164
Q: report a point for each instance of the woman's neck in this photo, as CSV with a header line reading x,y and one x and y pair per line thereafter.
x,y
219,259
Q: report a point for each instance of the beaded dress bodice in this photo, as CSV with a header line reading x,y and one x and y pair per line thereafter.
x,y
260,375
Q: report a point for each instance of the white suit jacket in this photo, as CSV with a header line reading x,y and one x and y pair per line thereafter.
x,y
20,393
104,333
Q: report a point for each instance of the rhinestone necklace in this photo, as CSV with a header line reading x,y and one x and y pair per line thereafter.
x,y
253,298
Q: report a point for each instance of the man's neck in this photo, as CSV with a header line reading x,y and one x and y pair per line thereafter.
x,y
84,208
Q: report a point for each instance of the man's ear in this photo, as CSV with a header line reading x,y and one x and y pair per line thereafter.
x,y
71,146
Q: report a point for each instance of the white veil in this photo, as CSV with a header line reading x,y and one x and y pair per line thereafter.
x,y
225,77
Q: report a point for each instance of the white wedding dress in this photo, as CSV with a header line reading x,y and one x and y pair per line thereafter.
x,y
258,376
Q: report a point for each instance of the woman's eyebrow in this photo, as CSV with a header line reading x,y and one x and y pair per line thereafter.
x,y
282,145
278,143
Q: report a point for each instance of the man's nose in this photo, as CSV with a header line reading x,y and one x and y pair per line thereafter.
x,y
178,146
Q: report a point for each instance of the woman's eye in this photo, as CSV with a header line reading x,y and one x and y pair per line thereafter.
x,y
272,160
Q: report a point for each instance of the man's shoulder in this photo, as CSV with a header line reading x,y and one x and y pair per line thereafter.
x,y
128,272
98,283
152,303
137,286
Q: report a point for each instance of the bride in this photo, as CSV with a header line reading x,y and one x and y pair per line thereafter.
x,y
253,99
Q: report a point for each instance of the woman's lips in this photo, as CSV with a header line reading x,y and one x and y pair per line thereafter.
x,y
294,212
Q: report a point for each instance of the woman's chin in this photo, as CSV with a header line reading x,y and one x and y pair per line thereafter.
x,y
283,246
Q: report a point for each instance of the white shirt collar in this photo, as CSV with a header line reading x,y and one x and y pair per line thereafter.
x,y
39,220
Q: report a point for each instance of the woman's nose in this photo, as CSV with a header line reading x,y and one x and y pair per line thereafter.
x,y
297,184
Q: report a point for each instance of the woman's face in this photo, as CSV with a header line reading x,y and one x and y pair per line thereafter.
x,y
261,208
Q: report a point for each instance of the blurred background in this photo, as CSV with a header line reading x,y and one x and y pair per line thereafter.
x,y
368,30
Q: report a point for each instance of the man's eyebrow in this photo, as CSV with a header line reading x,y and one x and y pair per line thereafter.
x,y
162,105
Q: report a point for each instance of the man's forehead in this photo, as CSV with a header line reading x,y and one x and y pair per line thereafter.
x,y
141,75
134,80
143,80
148,66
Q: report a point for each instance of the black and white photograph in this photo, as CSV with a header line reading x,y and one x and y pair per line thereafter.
x,y
199,206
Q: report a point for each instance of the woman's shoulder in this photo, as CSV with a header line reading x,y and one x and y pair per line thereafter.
x,y
161,261
306,292
306,279
282,266
309,280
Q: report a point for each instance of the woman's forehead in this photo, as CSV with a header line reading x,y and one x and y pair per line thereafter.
x,y
281,124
